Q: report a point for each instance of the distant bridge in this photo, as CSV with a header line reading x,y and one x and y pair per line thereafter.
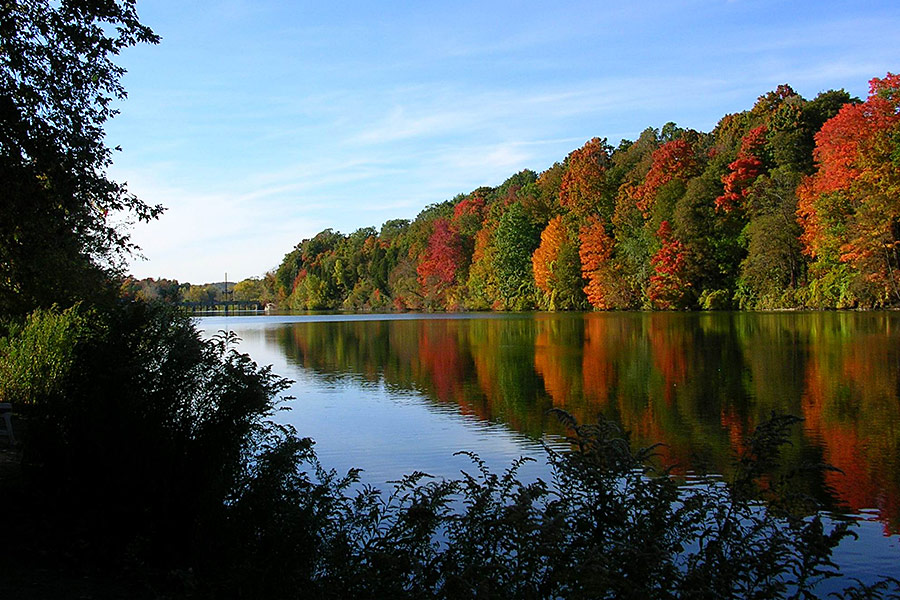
x,y
223,305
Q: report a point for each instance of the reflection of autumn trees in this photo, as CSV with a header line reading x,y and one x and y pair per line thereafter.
x,y
670,347
851,405
557,358
441,363
698,383
842,446
503,351
597,368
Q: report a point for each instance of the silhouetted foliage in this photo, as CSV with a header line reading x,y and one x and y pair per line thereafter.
x,y
610,523
136,429
58,87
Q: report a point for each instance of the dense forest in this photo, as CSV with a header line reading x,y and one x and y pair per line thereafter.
x,y
791,204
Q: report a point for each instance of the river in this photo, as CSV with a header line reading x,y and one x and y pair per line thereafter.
x,y
396,393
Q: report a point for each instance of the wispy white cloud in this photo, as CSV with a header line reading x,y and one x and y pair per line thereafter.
x,y
400,125
200,237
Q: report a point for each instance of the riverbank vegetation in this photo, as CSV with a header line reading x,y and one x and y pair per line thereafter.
x,y
252,289
790,204
147,463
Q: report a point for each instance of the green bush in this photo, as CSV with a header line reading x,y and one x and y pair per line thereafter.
x,y
138,435
38,355
715,300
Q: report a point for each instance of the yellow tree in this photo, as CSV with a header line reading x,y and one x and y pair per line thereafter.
x,y
557,267
584,182
595,252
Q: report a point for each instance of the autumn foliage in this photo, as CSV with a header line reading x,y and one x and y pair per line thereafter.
x,y
790,204
583,183
850,208
668,284
595,252
468,215
552,239
442,259
673,160
743,171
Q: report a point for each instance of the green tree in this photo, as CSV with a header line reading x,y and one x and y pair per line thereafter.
x,y
286,273
201,293
515,240
712,248
774,265
541,198
482,287
315,284
252,289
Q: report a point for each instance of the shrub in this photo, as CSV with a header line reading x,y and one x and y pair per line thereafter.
x,y
610,523
138,435
38,355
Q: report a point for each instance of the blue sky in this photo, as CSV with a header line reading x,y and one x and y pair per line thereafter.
x,y
260,123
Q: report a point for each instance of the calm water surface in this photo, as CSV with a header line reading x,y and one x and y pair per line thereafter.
x,y
396,393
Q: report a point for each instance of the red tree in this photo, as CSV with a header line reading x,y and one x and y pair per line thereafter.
x,y
439,264
668,284
850,208
743,171
673,160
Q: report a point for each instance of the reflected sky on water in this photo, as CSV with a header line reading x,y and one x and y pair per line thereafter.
x,y
396,393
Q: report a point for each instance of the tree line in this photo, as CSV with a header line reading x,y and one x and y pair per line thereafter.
x,y
252,289
791,204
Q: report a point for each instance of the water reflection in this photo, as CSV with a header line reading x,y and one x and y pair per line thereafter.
x,y
697,382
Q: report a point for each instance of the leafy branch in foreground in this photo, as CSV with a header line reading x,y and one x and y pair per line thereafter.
x,y
610,523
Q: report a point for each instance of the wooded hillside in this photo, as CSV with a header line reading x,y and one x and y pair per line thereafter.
x,y
794,203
